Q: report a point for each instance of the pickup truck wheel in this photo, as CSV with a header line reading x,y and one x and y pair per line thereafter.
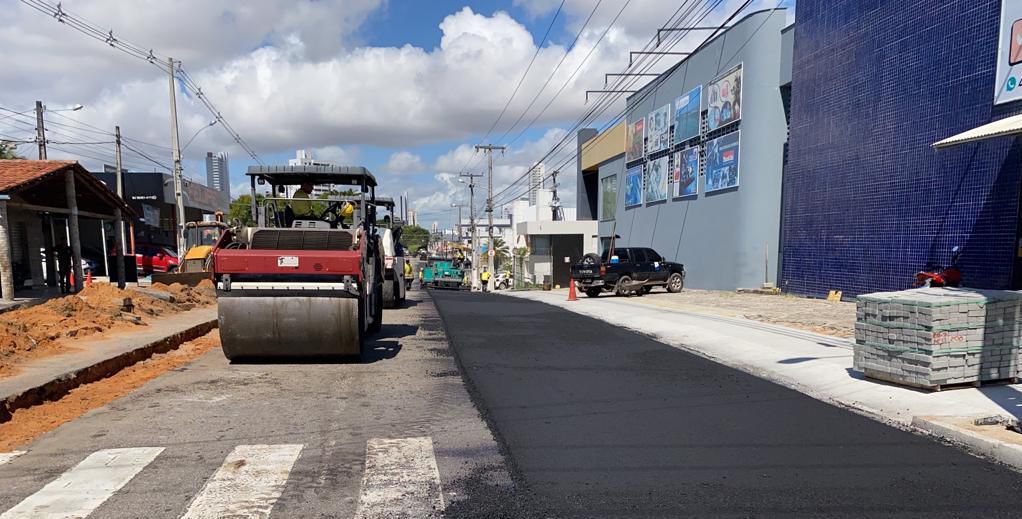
x,y
593,292
675,283
622,282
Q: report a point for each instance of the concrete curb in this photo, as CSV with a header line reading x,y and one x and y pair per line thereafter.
x,y
987,447
63,384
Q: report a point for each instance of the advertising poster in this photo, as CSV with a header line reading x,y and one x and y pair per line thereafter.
x,y
686,115
722,156
724,99
656,179
608,197
686,172
658,128
1009,54
636,136
633,186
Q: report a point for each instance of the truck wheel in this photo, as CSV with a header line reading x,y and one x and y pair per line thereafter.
x,y
675,283
622,282
593,292
389,295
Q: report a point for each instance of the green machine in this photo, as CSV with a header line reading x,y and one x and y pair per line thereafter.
x,y
442,273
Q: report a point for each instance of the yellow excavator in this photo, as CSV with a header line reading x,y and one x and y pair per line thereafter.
x,y
200,237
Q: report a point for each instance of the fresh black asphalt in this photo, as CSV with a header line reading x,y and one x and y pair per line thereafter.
x,y
603,422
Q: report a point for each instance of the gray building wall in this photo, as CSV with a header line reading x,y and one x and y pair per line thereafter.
x,y
721,237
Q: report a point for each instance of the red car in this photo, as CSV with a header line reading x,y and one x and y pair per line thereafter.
x,y
155,258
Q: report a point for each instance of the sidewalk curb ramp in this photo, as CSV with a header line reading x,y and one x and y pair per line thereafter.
x,y
976,443
61,385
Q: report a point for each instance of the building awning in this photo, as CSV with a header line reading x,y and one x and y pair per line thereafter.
x,y
1008,126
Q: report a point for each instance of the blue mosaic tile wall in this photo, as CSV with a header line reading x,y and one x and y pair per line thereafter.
x,y
867,201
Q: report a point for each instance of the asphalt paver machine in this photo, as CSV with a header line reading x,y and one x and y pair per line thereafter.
x,y
307,278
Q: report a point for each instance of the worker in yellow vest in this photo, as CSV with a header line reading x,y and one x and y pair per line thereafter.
x,y
485,278
409,275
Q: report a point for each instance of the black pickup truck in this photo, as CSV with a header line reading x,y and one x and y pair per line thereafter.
x,y
630,269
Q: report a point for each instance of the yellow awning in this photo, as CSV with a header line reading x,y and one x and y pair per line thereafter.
x,y
1008,126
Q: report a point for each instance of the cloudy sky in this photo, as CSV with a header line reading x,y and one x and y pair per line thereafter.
x,y
403,87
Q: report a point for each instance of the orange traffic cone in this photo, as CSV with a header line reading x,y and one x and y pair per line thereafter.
x,y
571,290
88,278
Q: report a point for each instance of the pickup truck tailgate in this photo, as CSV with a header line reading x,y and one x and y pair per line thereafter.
x,y
585,271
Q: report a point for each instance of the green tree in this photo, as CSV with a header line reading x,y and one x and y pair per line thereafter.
x,y
501,252
414,238
9,150
241,209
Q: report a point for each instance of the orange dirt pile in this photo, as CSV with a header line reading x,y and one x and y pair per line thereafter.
x,y
44,329
27,424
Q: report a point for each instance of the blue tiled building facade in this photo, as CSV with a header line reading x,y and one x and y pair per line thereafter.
x,y
867,201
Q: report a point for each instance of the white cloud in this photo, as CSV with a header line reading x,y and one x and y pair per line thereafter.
x,y
404,162
336,154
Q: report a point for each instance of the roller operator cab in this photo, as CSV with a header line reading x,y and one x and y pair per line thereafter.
x,y
306,279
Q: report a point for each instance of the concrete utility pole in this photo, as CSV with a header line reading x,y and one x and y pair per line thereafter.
x,y
118,219
489,209
6,269
74,233
175,148
40,130
472,224
459,206
555,203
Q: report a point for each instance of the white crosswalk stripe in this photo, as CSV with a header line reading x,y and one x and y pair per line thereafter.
x,y
79,491
401,480
8,456
247,484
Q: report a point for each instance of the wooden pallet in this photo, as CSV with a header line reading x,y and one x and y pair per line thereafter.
x,y
887,377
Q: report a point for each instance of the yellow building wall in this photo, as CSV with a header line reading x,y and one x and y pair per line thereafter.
x,y
606,145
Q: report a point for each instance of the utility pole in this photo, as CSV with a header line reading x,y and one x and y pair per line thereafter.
x,y
40,130
555,203
118,218
175,148
490,252
472,224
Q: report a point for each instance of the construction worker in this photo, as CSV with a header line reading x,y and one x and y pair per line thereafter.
x,y
347,214
485,278
64,269
301,202
408,275
422,276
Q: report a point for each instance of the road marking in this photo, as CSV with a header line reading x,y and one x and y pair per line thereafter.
x,y
79,491
401,480
247,484
8,456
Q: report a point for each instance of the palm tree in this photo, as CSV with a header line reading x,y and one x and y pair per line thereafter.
x,y
501,252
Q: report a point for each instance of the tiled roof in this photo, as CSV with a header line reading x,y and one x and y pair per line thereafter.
x,y
18,172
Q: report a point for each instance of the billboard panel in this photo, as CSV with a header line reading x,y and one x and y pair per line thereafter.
x,y
686,115
608,197
686,172
633,186
722,157
657,175
658,128
724,99
636,136
1009,54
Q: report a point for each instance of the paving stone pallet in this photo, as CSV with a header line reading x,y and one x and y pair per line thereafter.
x,y
935,337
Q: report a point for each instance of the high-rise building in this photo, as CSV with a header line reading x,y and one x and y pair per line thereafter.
x,y
218,175
536,175
411,217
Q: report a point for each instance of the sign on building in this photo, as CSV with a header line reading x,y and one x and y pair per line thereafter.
x,y
1009,54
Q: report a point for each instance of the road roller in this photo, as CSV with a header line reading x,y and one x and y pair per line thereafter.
x,y
304,277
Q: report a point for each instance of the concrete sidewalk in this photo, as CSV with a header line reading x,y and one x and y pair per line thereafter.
x,y
817,365
49,378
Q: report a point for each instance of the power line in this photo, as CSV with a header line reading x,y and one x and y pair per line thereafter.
x,y
91,30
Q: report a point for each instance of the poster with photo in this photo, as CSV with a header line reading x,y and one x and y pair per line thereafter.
x,y
608,197
686,172
636,136
633,186
656,179
724,99
686,115
658,128
722,157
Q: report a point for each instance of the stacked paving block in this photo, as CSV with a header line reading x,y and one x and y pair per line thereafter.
x,y
931,337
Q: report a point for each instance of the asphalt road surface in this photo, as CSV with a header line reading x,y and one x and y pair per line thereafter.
x,y
396,437
601,422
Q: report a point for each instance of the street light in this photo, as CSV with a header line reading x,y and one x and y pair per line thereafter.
x,y
197,132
